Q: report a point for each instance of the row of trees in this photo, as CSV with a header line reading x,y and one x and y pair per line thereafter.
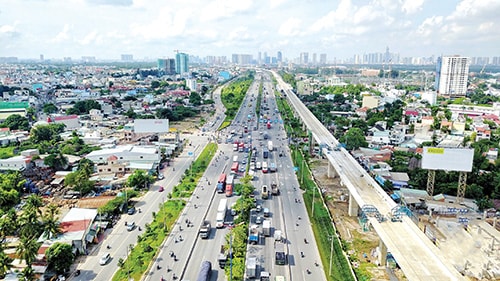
x,y
233,94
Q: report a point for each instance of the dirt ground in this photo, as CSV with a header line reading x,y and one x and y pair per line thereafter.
x,y
362,243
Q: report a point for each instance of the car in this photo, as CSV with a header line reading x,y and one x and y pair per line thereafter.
x,y
233,212
105,259
130,226
258,220
258,208
244,161
161,189
160,176
131,211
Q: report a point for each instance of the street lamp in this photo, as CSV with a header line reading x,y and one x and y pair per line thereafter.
x,y
331,255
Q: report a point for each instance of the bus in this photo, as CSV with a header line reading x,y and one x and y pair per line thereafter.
x,y
229,186
264,167
205,271
234,167
221,183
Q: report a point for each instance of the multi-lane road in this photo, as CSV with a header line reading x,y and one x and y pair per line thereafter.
x,y
418,258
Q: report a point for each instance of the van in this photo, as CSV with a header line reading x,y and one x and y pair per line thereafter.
x,y
266,212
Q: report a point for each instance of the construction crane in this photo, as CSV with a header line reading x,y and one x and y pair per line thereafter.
x,y
482,69
176,51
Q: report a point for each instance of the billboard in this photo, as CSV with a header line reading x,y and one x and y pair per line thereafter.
x,y
448,159
151,125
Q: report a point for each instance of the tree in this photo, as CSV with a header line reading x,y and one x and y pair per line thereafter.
x,y
50,221
388,185
195,98
5,262
56,161
83,107
139,179
60,257
354,139
16,122
49,108
27,250
48,132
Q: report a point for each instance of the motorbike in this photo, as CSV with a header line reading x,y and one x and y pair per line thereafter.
x,y
77,272
302,254
305,240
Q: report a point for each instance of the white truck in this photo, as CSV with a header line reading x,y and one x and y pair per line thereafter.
x,y
221,213
251,267
266,227
270,146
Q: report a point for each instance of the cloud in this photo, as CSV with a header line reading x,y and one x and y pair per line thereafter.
x,y
9,31
63,35
290,27
168,23
111,2
220,9
412,6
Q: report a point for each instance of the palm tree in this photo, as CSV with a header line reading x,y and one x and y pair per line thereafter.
x,y
27,274
27,250
5,262
29,220
50,221
8,223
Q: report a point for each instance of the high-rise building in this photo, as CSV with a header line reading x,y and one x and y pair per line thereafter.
x,y
167,66
242,59
41,57
279,57
304,58
322,58
181,63
127,57
451,76
314,61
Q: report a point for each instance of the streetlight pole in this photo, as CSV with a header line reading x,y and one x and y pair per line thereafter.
x,y
312,204
331,256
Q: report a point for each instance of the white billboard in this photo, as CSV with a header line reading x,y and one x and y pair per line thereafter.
x,y
151,125
448,159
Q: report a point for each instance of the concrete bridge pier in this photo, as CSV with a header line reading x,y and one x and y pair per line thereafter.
x,y
382,253
353,206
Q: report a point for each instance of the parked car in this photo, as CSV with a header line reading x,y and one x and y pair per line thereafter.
x,y
105,259
131,211
130,226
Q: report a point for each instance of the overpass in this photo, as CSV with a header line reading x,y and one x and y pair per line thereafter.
x,y
417,256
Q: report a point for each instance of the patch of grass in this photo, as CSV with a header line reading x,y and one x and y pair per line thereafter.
x,y
193,174
224,125
322,224
6,152
150,241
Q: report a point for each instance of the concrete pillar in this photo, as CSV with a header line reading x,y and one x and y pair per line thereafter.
x,y
353,206
382,253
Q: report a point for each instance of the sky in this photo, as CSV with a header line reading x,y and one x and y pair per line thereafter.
x,y
153,29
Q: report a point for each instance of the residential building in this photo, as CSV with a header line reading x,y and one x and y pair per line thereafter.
x,y
126,153
10,108
71,122
451,76
167,66
181,63
15,163
370,101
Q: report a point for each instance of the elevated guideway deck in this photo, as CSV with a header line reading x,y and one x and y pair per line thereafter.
x,y
418,258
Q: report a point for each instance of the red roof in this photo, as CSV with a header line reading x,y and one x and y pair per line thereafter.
x,y
74,226
66,117
411,112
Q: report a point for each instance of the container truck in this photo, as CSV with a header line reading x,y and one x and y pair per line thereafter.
x,y
222,257
221,213
229,186
205,229
205,271
270,145
266,227
221,183
253,236
280,255
252,267
235,158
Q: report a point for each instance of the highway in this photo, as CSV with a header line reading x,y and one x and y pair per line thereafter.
x,y
418,258
119,239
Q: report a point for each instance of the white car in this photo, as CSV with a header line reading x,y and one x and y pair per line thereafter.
x,y
105,258
258,220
